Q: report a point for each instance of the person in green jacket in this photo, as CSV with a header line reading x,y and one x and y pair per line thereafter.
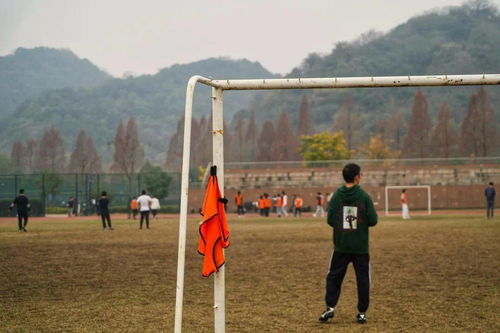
x,y
350,213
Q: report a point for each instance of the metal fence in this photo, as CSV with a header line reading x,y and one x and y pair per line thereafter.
x,y
50,192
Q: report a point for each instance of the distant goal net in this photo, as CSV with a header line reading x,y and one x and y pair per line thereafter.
x,y
415,196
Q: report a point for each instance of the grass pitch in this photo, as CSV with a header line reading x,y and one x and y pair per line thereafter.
x,y
437,274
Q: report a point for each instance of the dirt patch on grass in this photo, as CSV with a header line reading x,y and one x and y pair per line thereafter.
x,y
428,274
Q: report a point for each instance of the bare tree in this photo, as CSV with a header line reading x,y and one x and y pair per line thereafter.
x,y
129,154
250,143
346,121
444,137
305,125
285,146
30,155
50,152
265,142
417,141
17,156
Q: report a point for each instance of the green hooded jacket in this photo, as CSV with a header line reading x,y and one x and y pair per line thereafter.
x,y
350,213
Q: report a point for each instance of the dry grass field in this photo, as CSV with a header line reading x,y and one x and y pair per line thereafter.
x,y
429,274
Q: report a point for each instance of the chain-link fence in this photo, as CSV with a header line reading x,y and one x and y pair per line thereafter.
x,y
49,193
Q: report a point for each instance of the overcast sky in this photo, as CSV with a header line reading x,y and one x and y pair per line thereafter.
x,y
143,36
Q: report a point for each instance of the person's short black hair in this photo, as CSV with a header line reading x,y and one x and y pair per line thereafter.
x,y
350,171
404,190
104,193
143,191
491,183
21,191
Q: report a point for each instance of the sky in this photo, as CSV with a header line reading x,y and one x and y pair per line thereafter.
x,y
139,37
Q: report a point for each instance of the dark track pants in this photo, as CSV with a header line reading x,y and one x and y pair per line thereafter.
x,y
105,217
490,206
338,268
145,216
20,217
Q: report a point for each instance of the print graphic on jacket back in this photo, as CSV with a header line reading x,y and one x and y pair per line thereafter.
x,y
350,220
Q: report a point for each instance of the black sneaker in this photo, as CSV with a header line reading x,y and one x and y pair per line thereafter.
x,y
24,229
361,318
329,313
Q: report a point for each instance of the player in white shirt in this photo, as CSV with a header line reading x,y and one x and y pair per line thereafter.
x,y
155,206
284,208
144,202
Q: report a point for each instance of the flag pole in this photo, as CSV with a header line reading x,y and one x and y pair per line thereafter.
x,y
218,160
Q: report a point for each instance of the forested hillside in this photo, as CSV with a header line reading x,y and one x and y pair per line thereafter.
x,y
156,101
458,40
28,72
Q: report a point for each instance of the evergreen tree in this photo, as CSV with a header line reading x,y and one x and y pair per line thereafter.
x,y
416,144
305,126
444,137
265,142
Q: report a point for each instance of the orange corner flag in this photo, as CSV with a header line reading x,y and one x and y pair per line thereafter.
x,y
214,231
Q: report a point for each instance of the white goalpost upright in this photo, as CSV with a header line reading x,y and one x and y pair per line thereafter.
x,y
427,187
218,87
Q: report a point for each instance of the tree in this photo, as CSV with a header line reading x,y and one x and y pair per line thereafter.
x,y
265,142
346,121
173,159
394,130
250,143
30,155
239,137
479,126
156,180
84,158
416,144
324,146
5,164
285,146
129,154
50,152
444,137
378,149
305,125
17,156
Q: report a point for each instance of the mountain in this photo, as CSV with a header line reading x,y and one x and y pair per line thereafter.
x,y
28,72
156,101
456,40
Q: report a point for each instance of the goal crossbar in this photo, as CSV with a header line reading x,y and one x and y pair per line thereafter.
x,y
218,87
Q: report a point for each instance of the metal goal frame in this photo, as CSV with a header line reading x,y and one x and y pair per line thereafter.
x,y
428,187
218,88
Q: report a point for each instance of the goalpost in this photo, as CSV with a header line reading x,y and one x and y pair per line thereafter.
x,y
387,188
218,87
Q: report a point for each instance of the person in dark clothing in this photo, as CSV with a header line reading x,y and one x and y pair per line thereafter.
x,y
490,193
104,209
71,206
350,213
23,206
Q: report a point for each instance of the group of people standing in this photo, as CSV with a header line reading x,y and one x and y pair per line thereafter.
x,y
144,205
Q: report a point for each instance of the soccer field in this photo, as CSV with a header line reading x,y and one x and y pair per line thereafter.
x,y
437,273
